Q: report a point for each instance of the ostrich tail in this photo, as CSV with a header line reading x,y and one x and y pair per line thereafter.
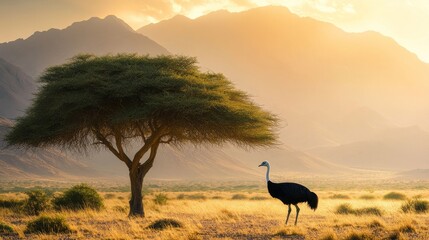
x,y
312,200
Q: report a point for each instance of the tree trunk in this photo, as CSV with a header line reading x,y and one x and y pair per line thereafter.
x,y
136,201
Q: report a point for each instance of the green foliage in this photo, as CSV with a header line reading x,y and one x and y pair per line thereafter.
x,y
347,209
415,205
134,95
6,229
36,202
78,197
48,225
239,196
395,196
165,223
160,199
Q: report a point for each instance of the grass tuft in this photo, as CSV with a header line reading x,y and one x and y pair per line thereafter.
x,y
415,205
196,196
160,199
258,198
396,235
375,224
407,228
162,224
6,229
48,225
346,208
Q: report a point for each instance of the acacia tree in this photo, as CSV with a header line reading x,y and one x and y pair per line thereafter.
x,y
111,101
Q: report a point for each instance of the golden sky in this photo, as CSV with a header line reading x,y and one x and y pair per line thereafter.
x,y
407,21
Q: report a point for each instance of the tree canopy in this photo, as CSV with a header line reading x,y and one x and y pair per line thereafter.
x,y
134,96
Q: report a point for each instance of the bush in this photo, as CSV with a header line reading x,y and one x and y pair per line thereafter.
x,y
6,229
339,196
415,205
196,196
160,199
47,225
165,223
239,197
347,209
375,224
78,197
395,196
36,203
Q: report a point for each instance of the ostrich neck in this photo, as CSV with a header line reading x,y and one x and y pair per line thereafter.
x,y
268,173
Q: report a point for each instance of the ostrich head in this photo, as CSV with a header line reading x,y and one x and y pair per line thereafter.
x,y
264,163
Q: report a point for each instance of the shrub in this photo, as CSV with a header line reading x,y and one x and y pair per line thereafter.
x,y
165,223
339,196
79,197
6,229
395,196
160,199
217,197
36,203
415,205
347,209
196,196
47,225
239,197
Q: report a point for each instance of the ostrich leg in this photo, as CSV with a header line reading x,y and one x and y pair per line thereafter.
x,y
288,213
297,212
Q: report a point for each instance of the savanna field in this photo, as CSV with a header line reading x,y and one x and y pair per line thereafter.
x,y
227,211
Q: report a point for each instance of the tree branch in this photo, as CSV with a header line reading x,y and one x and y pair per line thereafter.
x,y
109,145
124,157
147,165
154,138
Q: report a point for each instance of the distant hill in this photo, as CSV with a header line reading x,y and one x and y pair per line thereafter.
x,y
309,72
396,149
34,164
416,174
110,35
16,90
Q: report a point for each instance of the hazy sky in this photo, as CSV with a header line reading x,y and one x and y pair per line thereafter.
x,y
407,21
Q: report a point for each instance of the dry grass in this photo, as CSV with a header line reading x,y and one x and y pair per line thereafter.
x,y
217,216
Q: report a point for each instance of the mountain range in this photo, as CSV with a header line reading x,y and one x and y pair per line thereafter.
x,y
346,100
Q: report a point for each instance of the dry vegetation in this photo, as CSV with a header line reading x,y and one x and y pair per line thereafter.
x,y
240,214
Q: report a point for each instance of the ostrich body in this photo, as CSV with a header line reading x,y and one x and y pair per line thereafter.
x,y
290,193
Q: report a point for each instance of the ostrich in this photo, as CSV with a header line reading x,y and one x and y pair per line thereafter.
x,y
290,193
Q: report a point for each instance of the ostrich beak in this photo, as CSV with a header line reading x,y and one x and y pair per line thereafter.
x,y
260,165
